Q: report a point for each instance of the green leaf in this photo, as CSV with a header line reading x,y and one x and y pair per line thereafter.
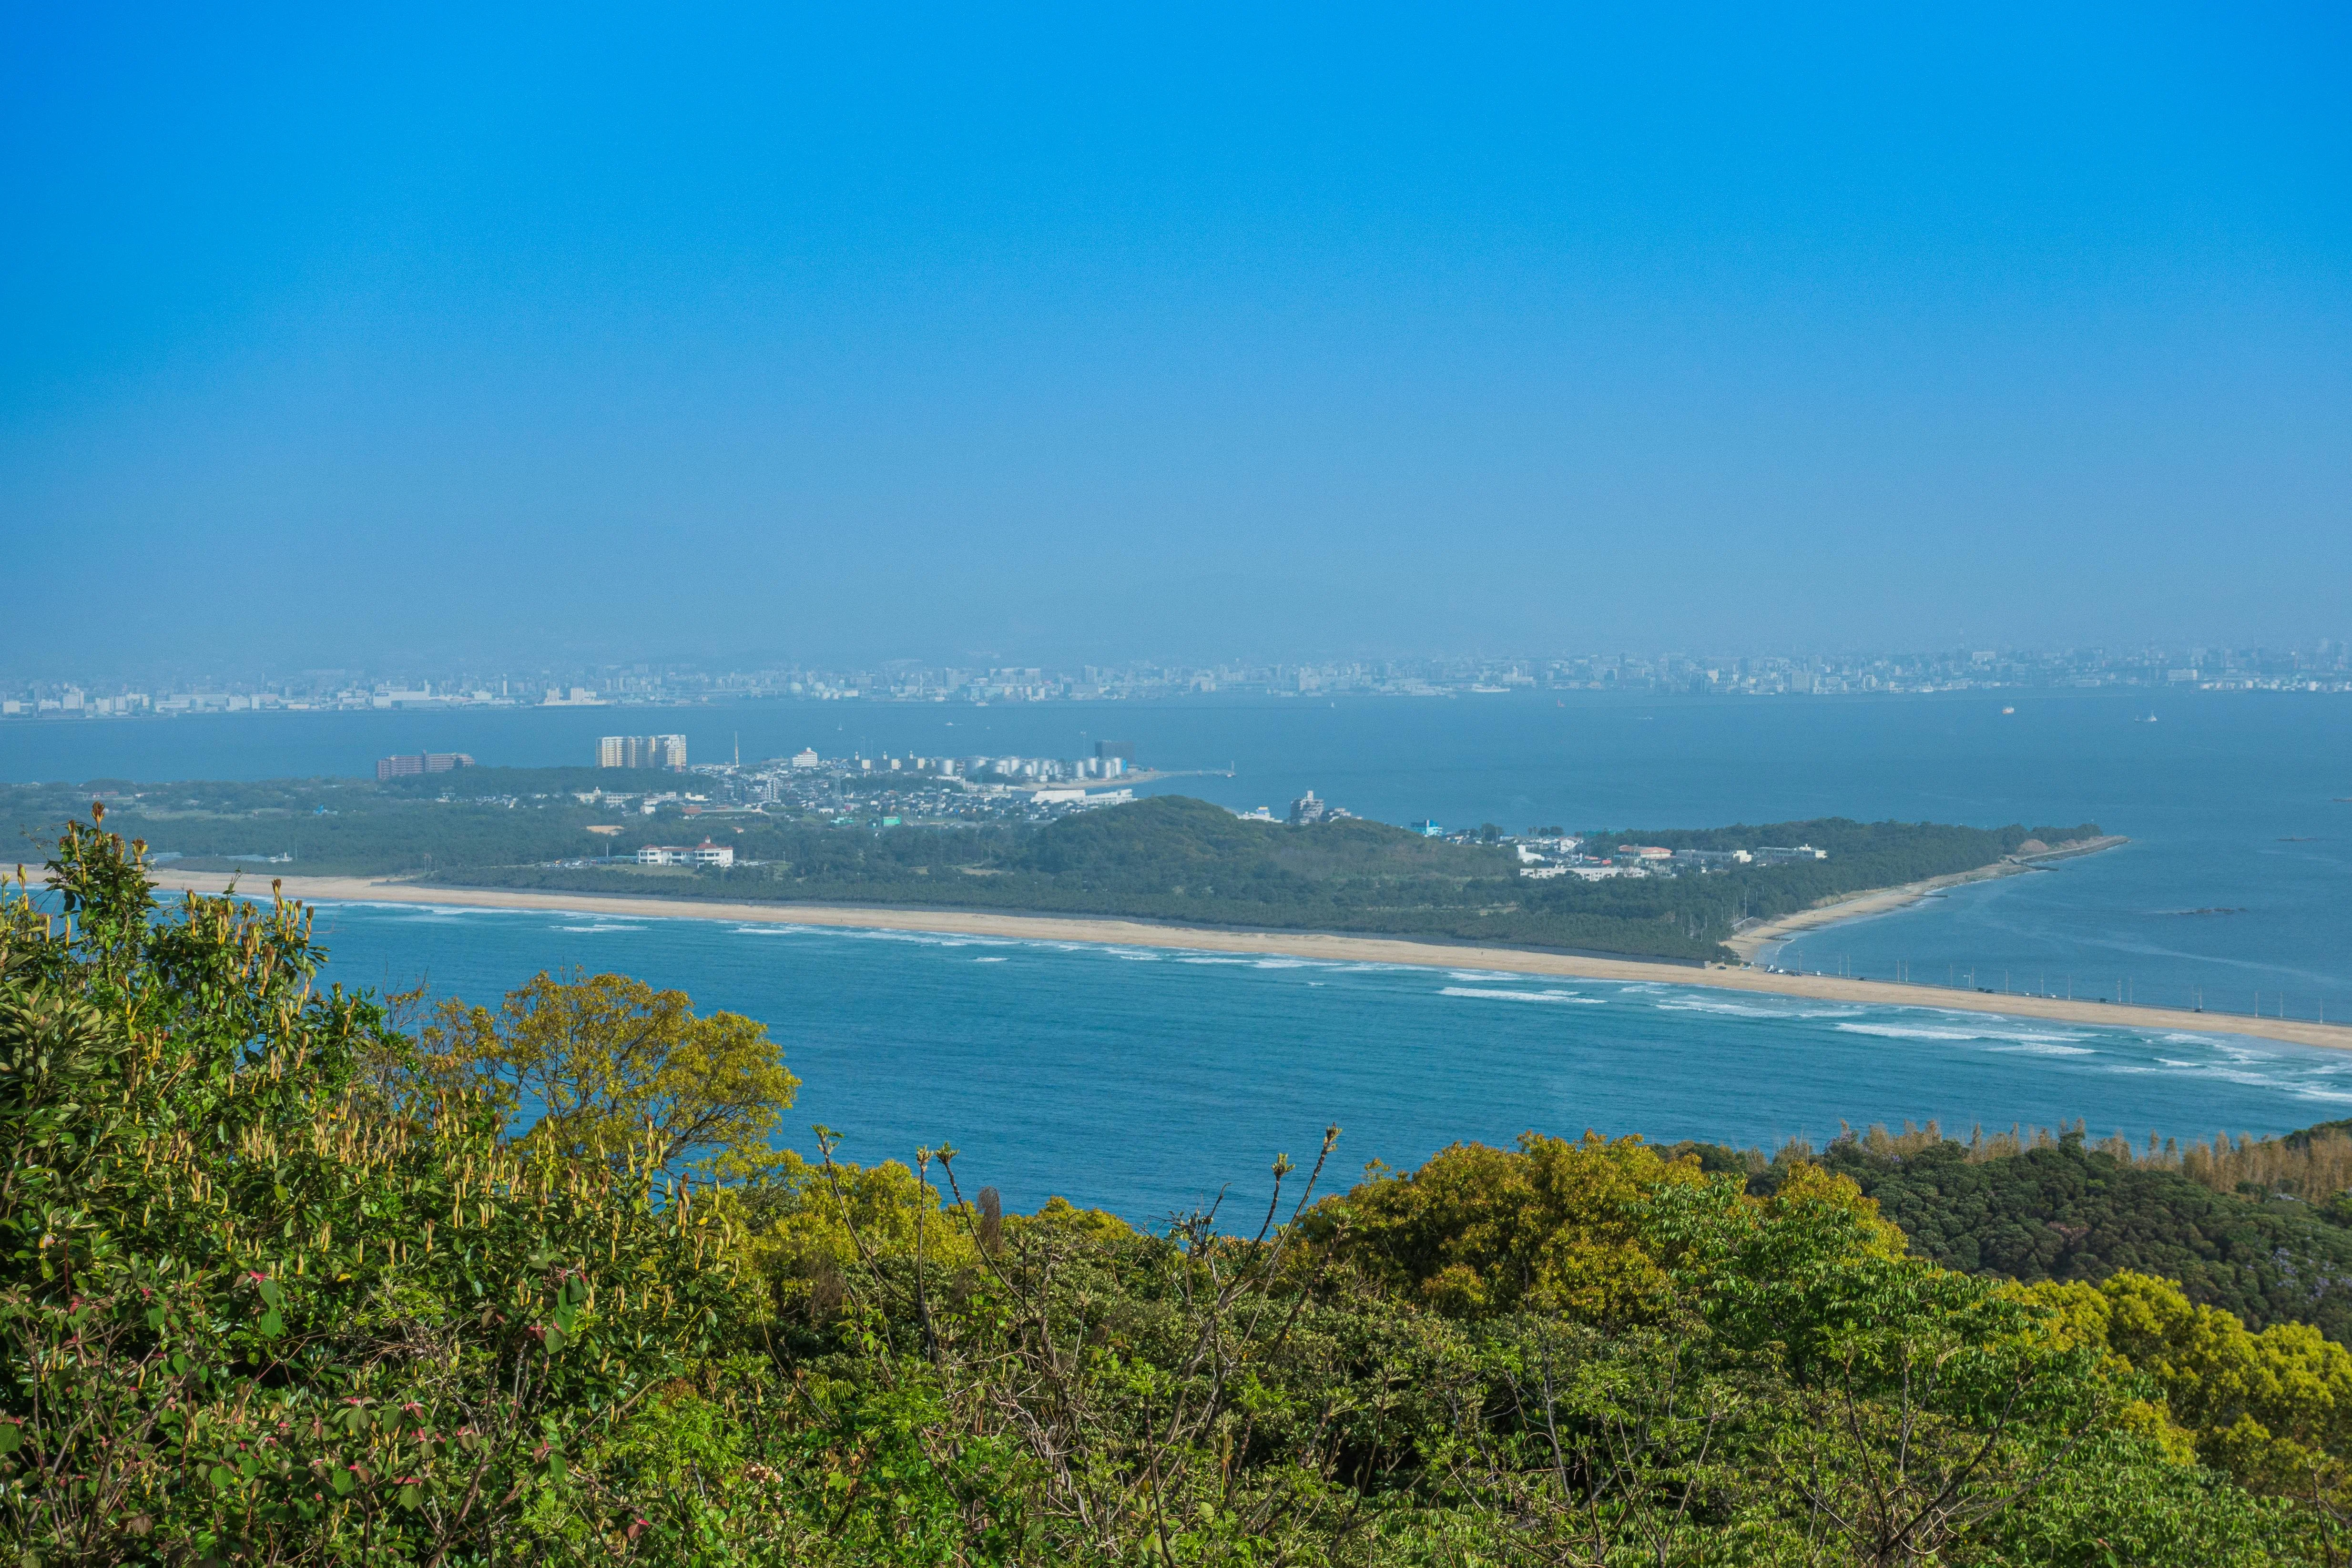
x,y
340,1480
12,1437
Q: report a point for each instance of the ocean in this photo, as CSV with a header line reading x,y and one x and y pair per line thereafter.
x,y
1147,1080
1143,1081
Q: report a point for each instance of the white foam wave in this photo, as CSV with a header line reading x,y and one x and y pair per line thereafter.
x,y
920,938
1494,996
1955,1032
440,911
1751,1009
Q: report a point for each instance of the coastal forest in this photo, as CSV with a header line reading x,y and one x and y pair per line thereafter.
x,y
1165,858
295,1274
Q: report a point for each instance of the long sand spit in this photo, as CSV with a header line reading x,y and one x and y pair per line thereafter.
x,y
1330,946
1750,942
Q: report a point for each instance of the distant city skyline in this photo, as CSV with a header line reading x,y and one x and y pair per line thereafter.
x,y
2324,665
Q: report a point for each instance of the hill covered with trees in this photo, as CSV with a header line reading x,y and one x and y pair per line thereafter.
x,y
2262,1230
281,1281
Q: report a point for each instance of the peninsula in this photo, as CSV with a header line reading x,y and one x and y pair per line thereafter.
x,y
1681,895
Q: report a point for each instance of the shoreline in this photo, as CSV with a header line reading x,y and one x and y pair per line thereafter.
x,y
1750,943
1317,945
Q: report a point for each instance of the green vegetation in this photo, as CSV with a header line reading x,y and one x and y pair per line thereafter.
x,y
278,1284
1164,858
2256,1229
337,826
1183,860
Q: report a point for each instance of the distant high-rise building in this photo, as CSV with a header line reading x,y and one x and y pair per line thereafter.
x,y
642,751
1123,749
423,763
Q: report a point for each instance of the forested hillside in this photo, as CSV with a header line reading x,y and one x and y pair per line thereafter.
x,y
1173,858
2274,1250
281,1282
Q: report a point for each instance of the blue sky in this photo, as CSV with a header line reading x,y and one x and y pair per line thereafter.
x,y
339,334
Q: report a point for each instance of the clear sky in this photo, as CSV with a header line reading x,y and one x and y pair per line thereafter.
x,y
1100,331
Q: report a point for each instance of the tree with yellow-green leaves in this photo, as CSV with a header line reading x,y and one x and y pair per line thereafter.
x,y
599,1064
2272,1409
256,1308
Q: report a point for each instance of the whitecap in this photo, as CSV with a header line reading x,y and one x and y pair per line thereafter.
x,y
1955,1032
1751,1009
1493,996
921,937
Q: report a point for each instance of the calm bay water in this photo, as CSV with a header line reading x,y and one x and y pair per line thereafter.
x,y
1142,1080
1146,1080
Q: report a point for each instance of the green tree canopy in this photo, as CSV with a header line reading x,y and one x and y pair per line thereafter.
x,y
601,1062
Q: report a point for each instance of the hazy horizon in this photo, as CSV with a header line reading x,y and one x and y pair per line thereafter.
x,y
344,338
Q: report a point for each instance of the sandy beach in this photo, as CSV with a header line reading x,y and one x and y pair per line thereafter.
x,y
1330,947
1753,942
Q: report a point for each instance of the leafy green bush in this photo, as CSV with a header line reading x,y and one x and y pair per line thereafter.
x,y
258,1300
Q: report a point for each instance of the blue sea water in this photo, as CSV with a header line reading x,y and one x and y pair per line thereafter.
x,y
1145,1081
1149,1079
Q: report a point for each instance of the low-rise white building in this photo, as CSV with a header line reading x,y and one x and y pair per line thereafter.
x,y
703,854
